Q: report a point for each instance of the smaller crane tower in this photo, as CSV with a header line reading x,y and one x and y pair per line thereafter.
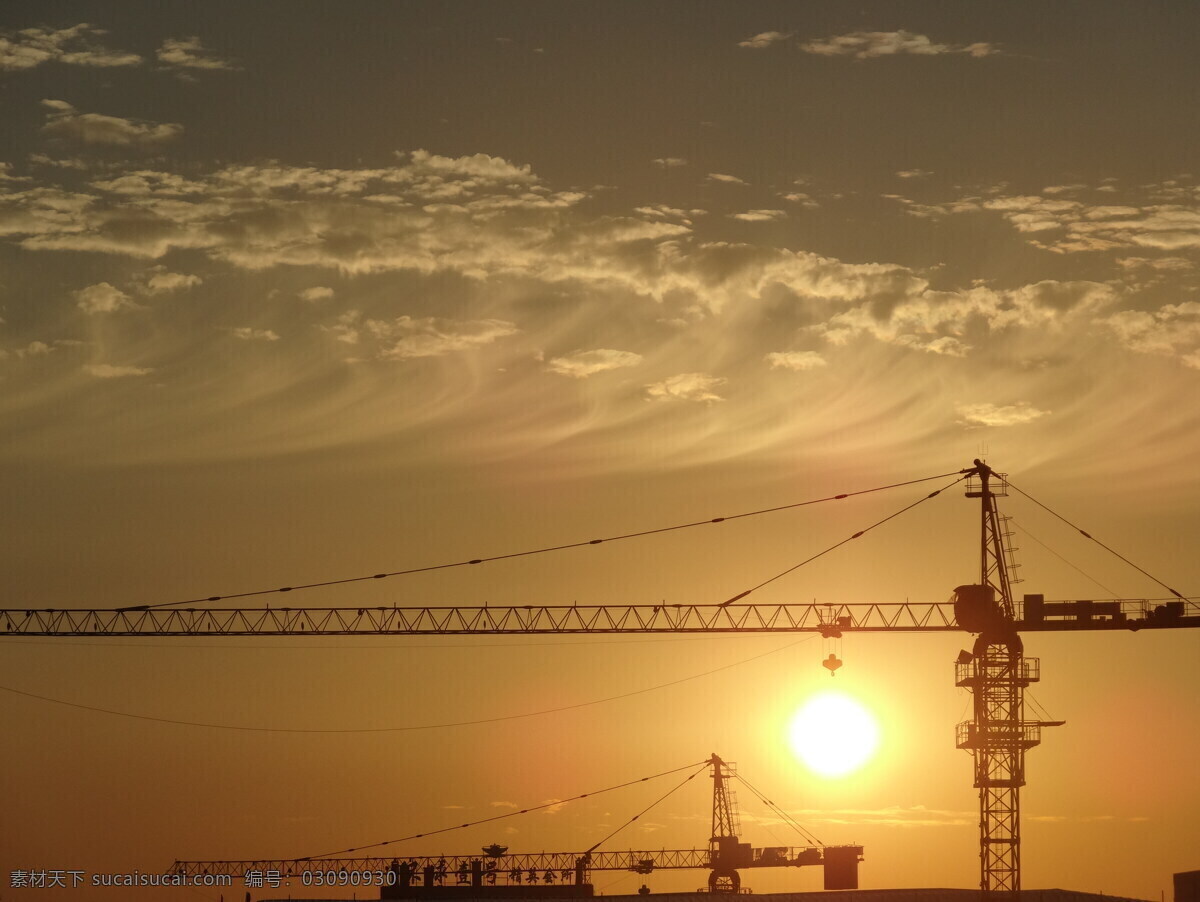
x,y
727,853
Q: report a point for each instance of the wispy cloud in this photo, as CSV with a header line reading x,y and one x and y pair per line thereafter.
x,y
74,46
669,162
797,361
162,282
869,44
804,200
582,364
407,337
548,289
108,371
759,215
191,54
1058,222
103,298
64,121
988,414
686,387
1171,330
725,178
764,39
248,333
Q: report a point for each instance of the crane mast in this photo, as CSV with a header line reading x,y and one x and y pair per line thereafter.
x,y
723,844
996,672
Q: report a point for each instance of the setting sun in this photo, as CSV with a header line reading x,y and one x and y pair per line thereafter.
x,y
833,734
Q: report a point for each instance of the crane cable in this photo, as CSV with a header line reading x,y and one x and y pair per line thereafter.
x,y
1074,567
787,818
516,554
432,726
1088,535
500,817
647,808
861,532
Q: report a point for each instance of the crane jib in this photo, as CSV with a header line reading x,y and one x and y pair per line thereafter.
x,y
1034,614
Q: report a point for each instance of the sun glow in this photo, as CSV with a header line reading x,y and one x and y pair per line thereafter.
x,y
833,734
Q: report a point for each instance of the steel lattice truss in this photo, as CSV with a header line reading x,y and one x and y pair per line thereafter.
x,y
566,619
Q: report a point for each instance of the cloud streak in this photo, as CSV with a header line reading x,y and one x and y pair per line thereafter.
x,y
582,364
873,44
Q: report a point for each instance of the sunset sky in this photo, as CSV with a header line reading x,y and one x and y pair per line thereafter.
x,y
299,291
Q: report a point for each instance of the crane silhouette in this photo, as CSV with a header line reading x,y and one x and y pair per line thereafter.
x,y
995,671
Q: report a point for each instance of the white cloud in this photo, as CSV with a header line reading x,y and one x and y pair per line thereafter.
x,y
354,220
1058,224
1162,264
943,322
798,361
103,298
686,387
73,46
804,200
317,293
764,39
346,327
7,176
162,282
1171,330
247,333
1063,189
582,364
33,349
146,183
407,337
987,414
662,211
41,159
868,44
727,179
914,173
64,121
669,162
107,371
190,53
759,215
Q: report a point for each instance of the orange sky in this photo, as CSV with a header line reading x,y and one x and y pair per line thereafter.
x,y
290,294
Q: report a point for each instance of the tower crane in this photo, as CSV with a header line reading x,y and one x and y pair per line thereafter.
x,y
995,671
564,874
